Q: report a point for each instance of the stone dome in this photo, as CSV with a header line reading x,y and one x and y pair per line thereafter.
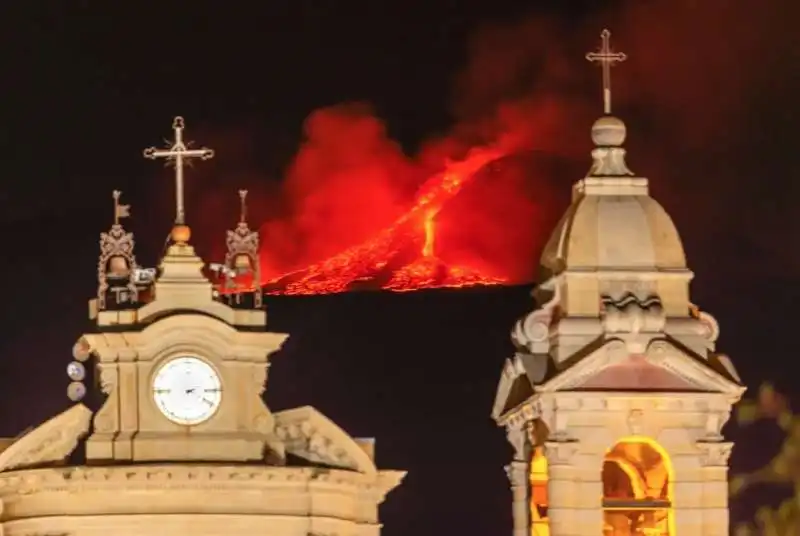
x,y
613,223
627,232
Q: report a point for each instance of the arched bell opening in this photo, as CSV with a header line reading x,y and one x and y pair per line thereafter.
x,y
637,489
242,271
540,523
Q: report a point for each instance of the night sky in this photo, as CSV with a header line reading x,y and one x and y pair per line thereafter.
x,y
708,94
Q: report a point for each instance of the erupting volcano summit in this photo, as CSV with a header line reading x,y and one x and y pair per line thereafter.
x,y
402,257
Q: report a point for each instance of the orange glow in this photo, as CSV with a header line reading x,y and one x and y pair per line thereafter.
x,y
366,261
427,248
540,524
634,479
637,489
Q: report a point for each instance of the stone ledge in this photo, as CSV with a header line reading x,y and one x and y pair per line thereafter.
x,y
193,490
164,476
169,525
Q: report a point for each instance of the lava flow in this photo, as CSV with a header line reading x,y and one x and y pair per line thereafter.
x,y
375,263
428,271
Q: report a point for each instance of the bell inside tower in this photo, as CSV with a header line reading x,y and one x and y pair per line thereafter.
x,y
637,490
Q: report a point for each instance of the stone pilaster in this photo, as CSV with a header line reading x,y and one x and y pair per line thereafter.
x,y
561,490
518,472
714,460
574,490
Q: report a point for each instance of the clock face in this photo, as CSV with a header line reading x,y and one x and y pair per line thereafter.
x,y
187,390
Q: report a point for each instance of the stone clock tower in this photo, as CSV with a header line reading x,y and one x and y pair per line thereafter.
x,y
616,397
181,441
135,349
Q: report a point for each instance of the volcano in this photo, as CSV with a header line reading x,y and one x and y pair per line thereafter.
x,y
402,257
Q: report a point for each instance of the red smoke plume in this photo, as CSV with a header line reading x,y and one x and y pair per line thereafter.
x,y
414,229
685,91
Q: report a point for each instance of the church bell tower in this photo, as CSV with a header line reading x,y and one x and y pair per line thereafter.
x,y
183,370
182,441
615,399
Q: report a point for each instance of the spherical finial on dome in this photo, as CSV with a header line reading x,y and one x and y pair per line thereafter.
x,y
181,234
608,131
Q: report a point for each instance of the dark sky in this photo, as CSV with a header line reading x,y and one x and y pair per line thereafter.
x,y
709,95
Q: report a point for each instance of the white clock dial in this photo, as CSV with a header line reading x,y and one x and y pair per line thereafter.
x,y
187,390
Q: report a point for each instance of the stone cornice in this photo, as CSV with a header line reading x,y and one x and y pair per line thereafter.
x,y
247,490
658,351
307,433
536,406
519,415
208,333
138,477
137,524
51,442
46,533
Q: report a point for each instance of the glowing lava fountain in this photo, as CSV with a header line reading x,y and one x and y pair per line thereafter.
x,y
374,263
428,271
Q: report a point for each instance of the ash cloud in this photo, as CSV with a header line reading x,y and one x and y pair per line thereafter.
x,y
347,180
702,80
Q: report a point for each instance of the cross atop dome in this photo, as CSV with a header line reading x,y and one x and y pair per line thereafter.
x,y
608,132
606,58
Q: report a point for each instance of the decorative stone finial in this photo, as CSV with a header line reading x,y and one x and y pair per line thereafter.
x,y
608,132
243,206
242,257
116,264
180,234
